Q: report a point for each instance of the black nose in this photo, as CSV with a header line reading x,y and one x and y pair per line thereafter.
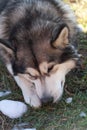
x,y
47,99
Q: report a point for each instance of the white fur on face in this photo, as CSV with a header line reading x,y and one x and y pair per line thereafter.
x,y
40,87
52,86
49,86
27,87
9,68
55,83
28,90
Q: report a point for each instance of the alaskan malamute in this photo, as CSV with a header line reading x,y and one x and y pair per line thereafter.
x,y
37,46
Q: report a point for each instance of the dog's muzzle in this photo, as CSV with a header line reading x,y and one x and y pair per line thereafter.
x,y
47,100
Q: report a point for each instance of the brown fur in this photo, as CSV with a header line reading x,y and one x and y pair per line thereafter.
x,y
40,35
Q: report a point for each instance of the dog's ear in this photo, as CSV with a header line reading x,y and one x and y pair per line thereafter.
x,y
6,51
62,38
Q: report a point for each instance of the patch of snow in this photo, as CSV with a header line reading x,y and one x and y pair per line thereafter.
x,y
29,129
82,114
4,93
12,109
16,128
21,125
69,100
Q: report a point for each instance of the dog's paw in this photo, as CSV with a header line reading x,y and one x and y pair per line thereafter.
x,y
45,67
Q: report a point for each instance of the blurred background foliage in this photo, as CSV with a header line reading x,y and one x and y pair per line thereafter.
x,y
80,9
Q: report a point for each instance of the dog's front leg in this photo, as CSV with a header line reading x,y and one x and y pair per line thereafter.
x,y
28,90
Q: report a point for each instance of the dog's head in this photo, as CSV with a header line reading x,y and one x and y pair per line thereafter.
x,y
33,54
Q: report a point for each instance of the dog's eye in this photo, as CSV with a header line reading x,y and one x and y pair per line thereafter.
x,y
29,77
32,73
32,77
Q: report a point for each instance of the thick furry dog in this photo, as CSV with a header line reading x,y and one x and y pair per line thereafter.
x,y
37,46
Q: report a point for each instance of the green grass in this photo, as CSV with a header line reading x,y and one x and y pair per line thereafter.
x,y
61,116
